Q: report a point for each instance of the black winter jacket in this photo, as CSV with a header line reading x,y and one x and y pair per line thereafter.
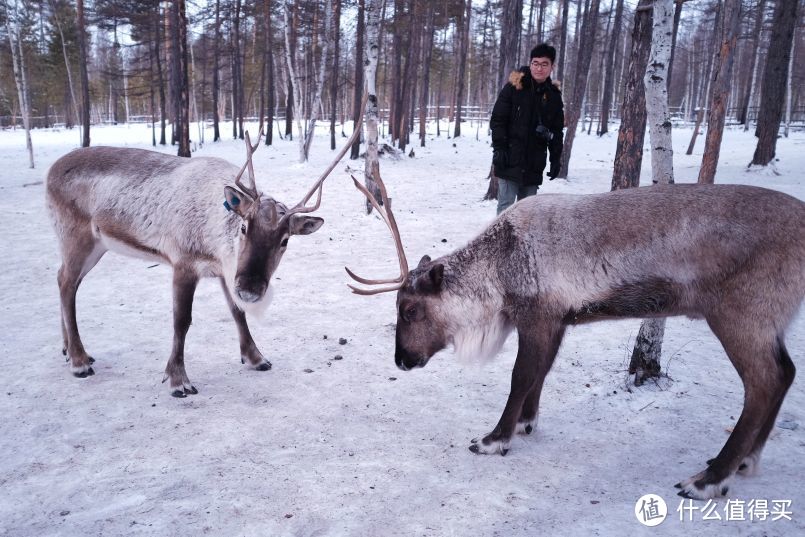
x,y
521,105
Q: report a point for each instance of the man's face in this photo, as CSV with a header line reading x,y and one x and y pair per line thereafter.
x,y
540,69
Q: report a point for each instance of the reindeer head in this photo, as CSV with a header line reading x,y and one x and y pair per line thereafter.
x,y
421,330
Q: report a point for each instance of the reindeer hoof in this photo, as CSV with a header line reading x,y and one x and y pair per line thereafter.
x,y
264,366
85,373
64,351
191,390
91,360
178,393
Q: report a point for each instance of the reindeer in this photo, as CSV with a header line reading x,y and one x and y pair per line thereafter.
x,y
188,213
731,255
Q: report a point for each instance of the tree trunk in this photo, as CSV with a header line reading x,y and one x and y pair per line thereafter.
x,y
83,60
775,75
584,58
462,64
563,41
751,80
359,73
184,85
268,59
372,162
426,64
645,362
677,18
334,43
216,83
705,93
20,78
720,89
160,78
629,150
293,81
67,68
609,72
511,27
315,107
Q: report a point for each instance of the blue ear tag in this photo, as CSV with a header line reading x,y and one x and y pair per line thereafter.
x,y
235,202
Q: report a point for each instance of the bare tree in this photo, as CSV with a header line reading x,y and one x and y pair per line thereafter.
x,y
334,44
372,163
775,75
609,72
720,89
426,68
359,73
462,63
216,84
583,60
645,362
18,65
631,134
83,60
511,27
751,80
183,86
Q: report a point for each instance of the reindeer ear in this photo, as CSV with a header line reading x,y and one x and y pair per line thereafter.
x,y
237,201
431,282
425,259
304,225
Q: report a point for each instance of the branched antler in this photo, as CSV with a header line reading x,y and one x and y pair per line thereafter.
x,y
388,217
317,186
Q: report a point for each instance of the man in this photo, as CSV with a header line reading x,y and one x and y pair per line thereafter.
x,y
527,123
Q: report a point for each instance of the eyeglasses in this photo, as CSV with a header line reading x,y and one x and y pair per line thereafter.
x,y
541,65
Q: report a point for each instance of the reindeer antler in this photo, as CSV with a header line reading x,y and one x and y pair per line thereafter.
x,y
251,190
388,217
301,207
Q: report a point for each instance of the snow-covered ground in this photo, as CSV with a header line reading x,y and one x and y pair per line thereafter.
x,y
353,446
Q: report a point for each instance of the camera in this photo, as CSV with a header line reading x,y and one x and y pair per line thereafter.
x,y
544,134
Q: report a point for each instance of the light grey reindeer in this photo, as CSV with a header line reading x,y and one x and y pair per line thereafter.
x,y
731,255
178,211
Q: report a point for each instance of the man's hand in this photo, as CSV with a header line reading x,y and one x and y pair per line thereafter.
x,y
554,173
500,158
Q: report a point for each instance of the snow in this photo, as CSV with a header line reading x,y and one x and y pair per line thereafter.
x,y
353,446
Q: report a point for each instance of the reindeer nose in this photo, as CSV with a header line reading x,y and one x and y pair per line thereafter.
x,y
250,290
405,360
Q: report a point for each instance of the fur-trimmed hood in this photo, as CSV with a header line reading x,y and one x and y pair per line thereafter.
x,y
516,79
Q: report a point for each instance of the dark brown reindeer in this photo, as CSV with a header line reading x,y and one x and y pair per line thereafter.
x,y
731,255
187,213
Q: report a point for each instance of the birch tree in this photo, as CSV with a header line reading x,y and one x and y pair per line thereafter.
x,y
720,89
372,162
18,65
645,361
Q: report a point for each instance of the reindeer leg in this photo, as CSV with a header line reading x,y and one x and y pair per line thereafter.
x,y
766,372
80,254
184,286
538,344
248,349
530,412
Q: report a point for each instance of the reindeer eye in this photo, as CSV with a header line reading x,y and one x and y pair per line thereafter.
x,y
284,242
243,228
409,313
